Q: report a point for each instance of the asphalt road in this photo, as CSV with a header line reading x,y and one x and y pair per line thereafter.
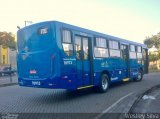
x,y
15,99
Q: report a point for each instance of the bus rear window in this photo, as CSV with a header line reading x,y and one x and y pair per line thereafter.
x,y
34,39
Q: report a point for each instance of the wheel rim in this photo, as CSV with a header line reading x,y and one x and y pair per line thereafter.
x,y
104,83
139,76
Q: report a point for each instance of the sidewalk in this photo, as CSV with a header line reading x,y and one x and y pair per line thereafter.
x,y
7,80
144,105
149,102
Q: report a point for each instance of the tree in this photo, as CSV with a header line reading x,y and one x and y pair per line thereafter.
x,y
153,57
148,42
7,40
153,41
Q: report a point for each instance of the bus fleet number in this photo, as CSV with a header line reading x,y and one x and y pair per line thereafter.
x,y
67,62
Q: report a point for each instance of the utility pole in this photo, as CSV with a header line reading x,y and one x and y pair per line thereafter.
x,y
27,22
10,69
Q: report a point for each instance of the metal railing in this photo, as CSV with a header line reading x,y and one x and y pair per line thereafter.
x,y
8,75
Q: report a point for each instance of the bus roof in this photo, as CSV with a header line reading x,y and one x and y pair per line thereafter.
x,y
72,27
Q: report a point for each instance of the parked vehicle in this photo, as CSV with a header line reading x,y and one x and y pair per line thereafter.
x,y
7,71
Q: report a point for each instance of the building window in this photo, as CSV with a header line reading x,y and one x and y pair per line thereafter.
x,y
67,42
113,45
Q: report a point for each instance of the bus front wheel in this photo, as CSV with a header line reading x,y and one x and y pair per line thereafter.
x,y
104,83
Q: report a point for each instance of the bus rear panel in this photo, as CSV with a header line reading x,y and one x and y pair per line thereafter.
x,y
36,58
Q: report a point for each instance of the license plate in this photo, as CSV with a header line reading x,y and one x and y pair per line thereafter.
x,y
36,83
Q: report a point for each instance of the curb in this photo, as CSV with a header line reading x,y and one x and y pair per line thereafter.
x,y
141,95
126,107
8,84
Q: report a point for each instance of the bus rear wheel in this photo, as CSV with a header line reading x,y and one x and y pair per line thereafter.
x,y
104,83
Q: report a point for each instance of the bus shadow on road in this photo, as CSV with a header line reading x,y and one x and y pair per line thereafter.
x,y
62,96
118,84
59,96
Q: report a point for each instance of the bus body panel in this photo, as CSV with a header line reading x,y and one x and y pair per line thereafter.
x,y
47,66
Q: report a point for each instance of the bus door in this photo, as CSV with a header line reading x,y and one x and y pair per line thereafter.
x,y
145,60
125,57
83,57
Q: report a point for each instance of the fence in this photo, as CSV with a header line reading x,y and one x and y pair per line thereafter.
x,y
8,75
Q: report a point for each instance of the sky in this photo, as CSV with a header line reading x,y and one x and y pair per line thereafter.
x,y
128,19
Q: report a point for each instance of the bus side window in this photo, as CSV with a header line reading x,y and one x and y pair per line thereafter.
x,y
67,42
144,57
124,52
85,48
100,49
78,47
139,54
132,53
114,49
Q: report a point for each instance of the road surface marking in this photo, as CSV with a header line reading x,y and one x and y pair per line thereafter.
x,y
113,105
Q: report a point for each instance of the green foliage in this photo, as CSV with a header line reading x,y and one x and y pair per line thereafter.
x,y
7,40
148,42
153,41
153,57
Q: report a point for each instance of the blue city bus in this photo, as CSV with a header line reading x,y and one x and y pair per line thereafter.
x,y
57,55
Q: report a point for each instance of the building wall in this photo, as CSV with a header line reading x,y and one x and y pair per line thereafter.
x,y
0,54
12,57
7,56
4,55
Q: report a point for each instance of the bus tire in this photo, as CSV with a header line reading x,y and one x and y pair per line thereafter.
x,y
140,75
104,83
